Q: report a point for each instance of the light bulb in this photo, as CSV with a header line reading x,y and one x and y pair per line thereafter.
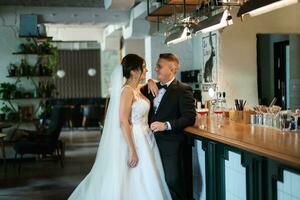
x,y
92,72
60,73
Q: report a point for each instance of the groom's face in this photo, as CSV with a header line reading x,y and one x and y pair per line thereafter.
x,y
165,70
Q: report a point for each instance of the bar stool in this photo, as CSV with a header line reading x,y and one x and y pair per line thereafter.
x,y
2,143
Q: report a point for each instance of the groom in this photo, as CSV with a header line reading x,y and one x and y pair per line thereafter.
x,y
172,110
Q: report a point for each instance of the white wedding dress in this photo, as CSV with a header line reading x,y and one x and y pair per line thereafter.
x,y
111,178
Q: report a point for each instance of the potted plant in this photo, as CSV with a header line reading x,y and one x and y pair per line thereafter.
x,y
52,61
24,68
49,88
5,110
28,48
12,70
2,117
46,110
45,48
7,90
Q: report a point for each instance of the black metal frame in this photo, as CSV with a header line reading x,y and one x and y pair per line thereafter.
x,y
164,2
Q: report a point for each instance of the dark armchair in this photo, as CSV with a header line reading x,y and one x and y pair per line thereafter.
x,y
45,143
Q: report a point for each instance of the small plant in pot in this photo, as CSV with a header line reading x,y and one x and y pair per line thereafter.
x,y
12,70
46,110
25,68
46,48
4,111
49,88
2,117
28,48
7,90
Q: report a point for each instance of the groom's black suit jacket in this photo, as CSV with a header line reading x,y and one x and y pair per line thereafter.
x,y
176,107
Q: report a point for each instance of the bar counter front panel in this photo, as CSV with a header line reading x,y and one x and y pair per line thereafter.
x,y
244,162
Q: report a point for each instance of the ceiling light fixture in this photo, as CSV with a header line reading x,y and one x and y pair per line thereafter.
x,y
214,23
259,7
178,34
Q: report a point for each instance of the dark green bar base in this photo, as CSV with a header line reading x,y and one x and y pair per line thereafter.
x,y
262,174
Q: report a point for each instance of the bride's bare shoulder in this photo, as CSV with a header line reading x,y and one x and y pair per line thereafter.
x,y
127,92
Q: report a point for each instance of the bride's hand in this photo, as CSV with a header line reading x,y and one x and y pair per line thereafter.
x,y
152,87
133,160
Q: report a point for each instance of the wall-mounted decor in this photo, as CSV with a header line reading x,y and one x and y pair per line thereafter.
x,y
210,61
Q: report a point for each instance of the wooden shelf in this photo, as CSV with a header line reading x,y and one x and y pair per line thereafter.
x,y
36,37
155,18
20,121
168,10
25,53
169,6
29,76
16,99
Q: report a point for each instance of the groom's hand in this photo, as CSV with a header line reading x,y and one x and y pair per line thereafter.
x,y
158,126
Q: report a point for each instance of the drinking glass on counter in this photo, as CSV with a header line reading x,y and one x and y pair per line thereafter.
x,y
203,116
274,117
219,113
267,116
285,120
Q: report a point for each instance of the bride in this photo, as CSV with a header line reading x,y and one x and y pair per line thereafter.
x,y
128,164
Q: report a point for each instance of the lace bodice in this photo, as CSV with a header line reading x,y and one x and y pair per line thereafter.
x,y
140,109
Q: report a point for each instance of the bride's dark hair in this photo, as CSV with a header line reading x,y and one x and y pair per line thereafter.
x,y
132,62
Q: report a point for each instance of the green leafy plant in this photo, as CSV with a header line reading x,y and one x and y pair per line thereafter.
x,y
46,110
49,88
25,69
53,59
7,89
28,48
5,108
12,70
38,48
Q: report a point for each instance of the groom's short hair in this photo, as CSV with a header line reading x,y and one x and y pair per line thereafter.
x,y
171,58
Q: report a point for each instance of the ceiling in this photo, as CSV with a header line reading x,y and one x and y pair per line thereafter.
x,y
56,3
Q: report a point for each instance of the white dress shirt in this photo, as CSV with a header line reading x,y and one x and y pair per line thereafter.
x,y
158,98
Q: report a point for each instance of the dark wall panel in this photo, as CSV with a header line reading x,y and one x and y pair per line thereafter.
x,y
77,83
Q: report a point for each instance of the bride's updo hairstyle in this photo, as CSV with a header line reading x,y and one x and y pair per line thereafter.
x,y
132,62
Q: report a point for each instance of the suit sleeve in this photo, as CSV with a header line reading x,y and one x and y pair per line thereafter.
x,y
187,111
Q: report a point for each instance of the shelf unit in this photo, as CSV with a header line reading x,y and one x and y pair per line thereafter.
x,y
39,96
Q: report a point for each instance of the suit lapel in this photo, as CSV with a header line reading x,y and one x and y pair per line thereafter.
x,y
165,98
151,98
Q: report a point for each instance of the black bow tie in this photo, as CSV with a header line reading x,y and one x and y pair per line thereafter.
x,y
160,86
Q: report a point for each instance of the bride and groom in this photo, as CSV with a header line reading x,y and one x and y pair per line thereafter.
x,y
141,151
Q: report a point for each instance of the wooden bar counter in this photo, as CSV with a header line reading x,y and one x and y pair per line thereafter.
x,y
272,143
264,163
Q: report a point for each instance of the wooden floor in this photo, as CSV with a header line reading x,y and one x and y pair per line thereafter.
x,y
43,180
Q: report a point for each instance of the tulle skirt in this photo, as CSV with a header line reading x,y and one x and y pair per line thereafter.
x,y
112,179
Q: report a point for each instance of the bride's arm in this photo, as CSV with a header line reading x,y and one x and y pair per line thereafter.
x,y
125,110
149,86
